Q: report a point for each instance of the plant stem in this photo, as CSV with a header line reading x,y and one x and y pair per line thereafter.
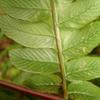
x,y
59,47
28,91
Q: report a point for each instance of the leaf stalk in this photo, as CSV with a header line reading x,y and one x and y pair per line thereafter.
x,y
59,47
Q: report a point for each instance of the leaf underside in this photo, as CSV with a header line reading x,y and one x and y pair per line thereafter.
x,y
29,23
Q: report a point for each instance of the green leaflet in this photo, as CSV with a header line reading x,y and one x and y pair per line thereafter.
x,y
40,28
41,82
77,43
84,91
80,12
85,68
35,60
39,9
44,83
27,34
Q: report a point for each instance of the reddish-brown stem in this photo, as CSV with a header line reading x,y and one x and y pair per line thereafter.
x,y
25,90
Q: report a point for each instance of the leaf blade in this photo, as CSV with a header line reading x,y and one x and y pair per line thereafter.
x,y
85,68
84,91
35,60
80,42
78,18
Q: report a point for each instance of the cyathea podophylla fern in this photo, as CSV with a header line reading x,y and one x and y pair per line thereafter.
x,y
56,38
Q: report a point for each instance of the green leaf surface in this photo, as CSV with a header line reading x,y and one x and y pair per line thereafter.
x,y
57,36
31,35
47,83
84,91
35,60
85,68
77,43
80,12
39,9
39,82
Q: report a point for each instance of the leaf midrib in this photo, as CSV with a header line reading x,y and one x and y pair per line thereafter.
x,y
56,29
